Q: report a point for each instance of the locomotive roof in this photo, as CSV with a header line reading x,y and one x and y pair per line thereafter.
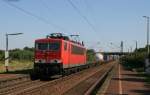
x,y
55,39
58,37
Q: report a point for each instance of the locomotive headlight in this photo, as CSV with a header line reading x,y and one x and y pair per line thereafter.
x,y
40,61
36,61
55,61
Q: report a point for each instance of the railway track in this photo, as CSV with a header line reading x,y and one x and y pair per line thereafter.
x,y
65,85
13,81
89,86
17,87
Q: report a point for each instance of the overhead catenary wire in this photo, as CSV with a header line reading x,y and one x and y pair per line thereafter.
x,y
83,16
34,15
90,9
44,4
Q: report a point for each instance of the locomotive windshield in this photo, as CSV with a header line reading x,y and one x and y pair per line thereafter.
x,y
42,46
54,46
48,46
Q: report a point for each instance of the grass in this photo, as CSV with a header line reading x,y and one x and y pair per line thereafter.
x,y
16,65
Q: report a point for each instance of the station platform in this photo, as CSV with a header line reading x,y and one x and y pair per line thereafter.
x,y
126,82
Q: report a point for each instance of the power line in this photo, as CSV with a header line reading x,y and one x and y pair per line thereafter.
x,y
83,16
49,9
44,4
33,15
90,9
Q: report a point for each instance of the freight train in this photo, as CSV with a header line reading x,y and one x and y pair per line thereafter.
x,y
99,57
57,54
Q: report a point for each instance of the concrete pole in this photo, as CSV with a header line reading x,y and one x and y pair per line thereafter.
x,y
147,63
147,18
7,51
148,35
6,54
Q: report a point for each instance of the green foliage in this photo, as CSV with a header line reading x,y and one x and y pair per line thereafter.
x,y
148,79
1,55
28,49
141,50
19,54
25,54
135,60
90,55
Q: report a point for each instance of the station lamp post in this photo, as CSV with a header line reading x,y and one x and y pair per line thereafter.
x,y
7,51
147,18
147,63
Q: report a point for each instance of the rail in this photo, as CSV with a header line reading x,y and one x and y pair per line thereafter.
x,y
12,81
67,83
93,89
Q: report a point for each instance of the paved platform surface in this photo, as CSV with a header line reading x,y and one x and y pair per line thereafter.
x,y
125,82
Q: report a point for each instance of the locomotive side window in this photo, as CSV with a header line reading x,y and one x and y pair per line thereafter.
x,y
77,50
48,46
41,46
65,46
54,46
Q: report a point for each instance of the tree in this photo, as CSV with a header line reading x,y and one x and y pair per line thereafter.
x,y
1,55
136,59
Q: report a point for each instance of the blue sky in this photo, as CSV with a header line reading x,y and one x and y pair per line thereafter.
x,y
113,20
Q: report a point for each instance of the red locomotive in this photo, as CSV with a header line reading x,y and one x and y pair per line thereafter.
x,y
57,54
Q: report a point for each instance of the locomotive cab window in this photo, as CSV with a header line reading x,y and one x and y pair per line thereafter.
x,y
41,46
55,46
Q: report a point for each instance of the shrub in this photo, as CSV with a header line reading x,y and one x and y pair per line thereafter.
x,y
135,60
